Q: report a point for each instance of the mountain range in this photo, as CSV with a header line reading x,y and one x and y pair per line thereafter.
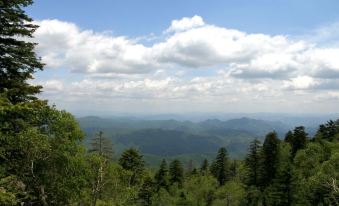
x,y
158,139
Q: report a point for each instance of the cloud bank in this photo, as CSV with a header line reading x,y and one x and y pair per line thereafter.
x,y
192,61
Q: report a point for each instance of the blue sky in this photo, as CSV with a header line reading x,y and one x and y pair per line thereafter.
x,y
135,18
188,56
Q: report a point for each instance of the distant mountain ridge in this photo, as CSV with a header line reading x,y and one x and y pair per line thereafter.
x,y
166,138
253,126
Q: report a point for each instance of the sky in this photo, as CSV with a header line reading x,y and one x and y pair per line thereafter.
x,y
183,56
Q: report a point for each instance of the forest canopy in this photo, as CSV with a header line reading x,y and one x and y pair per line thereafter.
x,y
43,160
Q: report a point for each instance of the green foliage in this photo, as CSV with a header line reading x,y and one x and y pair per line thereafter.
x,y
42,150
314,174
279,193
231,193
253,164
289,137
162,177
183,140
204,167
176,173
132,161
163,198
146,192
18,60
202,188
299,139
12,191
329,130
183,200
42,161
220,166
269,159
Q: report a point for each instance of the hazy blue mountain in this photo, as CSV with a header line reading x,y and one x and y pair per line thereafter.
x,y
253,126
184,139
257,128
169,142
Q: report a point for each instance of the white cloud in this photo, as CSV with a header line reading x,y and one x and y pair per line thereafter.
x,y
52,85
186,24
301,82
192,62
197,45
63,44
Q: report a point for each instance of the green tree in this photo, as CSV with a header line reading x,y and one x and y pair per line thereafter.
x,y
329,130
299,139
18,60
176,172
234,169
220,166
314,168
231,193
252,163
204,167
161,177
132,161
43,153
202,188
183,200
289,137
280,192
146,192
269,159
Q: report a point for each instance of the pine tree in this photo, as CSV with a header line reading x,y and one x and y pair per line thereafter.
x,y
220,167
194,171
329,130
18,60
289,137
204,166
234,169
102,146
269,158
280,193
161,177
146,192
299,139
252,163
132,161
176,172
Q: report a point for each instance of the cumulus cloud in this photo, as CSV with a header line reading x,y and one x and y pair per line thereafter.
x,y
301,82
193,44
191,61
63,44
186,24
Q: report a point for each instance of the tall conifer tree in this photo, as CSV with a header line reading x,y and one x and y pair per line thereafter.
x,y
132,161
252,163
299,139
269,158
220,166
18,60
161,176
176,172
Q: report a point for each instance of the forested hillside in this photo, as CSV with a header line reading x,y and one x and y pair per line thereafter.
x,y
180,139
44,161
